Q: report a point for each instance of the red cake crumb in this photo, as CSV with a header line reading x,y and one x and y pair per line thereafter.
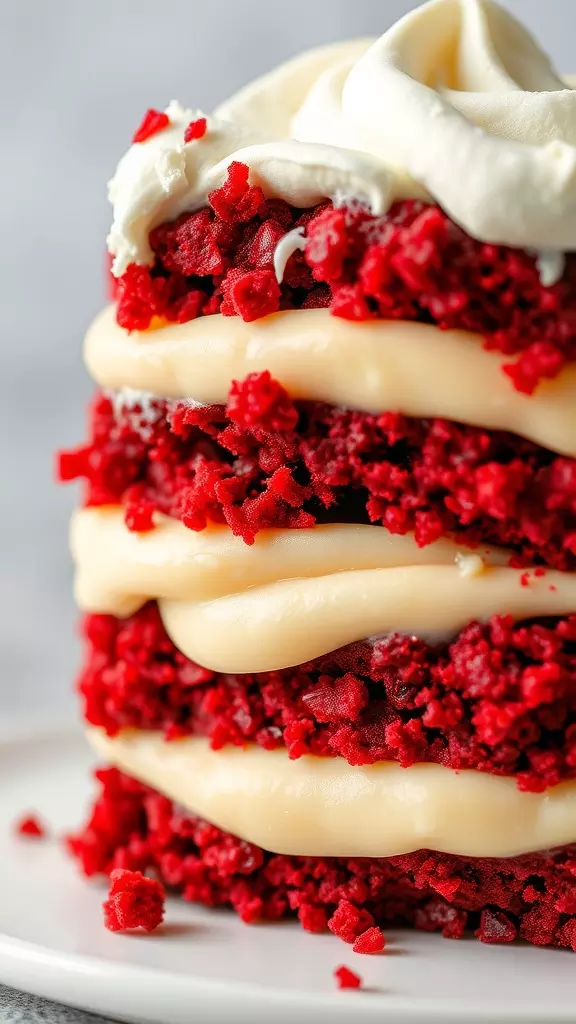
x,y
139,515
261,402
500,698
31,825
134,901
190,247
348,922
312,918
413,263
251,294
133,828
345,978
370,941
154,121
496,927
196,129
265,460
236,202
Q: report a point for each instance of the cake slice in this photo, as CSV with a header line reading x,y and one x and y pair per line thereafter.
x,y
327,543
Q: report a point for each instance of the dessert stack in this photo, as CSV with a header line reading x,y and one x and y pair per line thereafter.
x,y
327,541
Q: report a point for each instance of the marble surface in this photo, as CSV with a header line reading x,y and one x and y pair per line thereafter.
x,y
76,77
20,1008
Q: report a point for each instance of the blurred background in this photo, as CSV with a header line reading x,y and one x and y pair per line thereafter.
x,y
76,77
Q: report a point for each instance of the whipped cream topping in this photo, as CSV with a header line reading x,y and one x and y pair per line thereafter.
x,y
375,366
270,102
325,807
459,97
295,595
456,103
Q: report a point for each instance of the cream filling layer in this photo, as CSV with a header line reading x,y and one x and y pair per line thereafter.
x,y
324,807
374,366
295,594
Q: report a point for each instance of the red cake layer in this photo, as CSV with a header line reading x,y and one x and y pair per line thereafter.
x,y
266,461
413,263
501,698
532,897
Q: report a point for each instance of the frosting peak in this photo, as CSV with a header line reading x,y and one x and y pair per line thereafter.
x,y
458,98
456,104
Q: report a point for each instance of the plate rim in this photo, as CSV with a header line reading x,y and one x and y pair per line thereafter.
x,y
17,951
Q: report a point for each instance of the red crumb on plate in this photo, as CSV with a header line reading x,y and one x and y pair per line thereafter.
x,y
370,941
349,921
31,826
345,978
134,901
154,121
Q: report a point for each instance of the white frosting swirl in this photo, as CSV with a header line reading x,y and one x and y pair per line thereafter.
x,y
458,96
455,103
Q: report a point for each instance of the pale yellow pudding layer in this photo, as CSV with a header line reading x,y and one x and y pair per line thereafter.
x,y
374,366
324,807
296,594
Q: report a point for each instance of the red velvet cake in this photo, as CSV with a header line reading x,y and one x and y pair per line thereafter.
x,y
327,542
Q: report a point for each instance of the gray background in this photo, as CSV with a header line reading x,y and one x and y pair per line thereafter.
x,y
75,78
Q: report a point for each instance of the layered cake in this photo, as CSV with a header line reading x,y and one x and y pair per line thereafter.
x,y
327,541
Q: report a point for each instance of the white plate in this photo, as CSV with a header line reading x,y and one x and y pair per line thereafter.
x,y
208,966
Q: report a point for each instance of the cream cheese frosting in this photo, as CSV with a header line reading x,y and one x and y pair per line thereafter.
x,y
456,104
174,562
295,595
376,366
324,807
